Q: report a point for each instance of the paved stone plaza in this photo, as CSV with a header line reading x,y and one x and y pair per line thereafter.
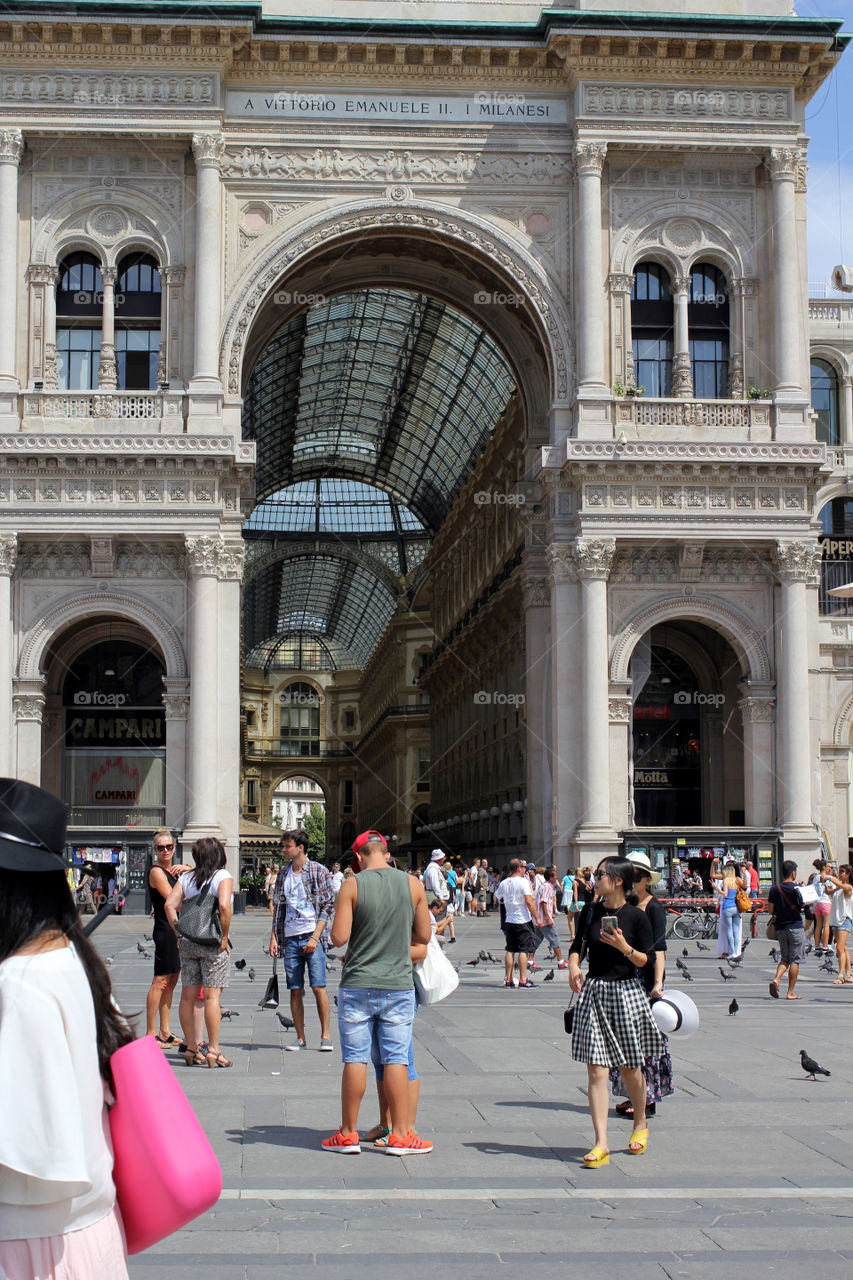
x,y
749,1167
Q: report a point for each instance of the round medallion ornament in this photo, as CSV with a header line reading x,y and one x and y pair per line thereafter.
x,y
107,224
682,234
399,194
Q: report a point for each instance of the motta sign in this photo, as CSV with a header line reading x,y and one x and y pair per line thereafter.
x,y
396,108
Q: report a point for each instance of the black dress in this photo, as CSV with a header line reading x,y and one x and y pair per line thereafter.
x,y
167,958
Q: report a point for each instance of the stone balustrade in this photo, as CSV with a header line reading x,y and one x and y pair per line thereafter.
x,y
103,410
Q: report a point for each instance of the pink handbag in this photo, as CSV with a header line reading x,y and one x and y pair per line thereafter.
x,y
165,1170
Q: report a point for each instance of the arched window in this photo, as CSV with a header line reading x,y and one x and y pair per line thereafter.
x,y
824,381
79,306
137,312
651,328
708,328
300,720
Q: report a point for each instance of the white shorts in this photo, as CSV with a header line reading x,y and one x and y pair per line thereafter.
x,y
451,910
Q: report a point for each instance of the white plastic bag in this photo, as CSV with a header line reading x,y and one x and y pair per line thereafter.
x,y
435,977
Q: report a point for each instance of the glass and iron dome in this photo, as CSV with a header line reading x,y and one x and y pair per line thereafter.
x,y
333,505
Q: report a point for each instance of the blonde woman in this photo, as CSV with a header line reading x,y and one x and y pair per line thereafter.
x,y
841,919
726,889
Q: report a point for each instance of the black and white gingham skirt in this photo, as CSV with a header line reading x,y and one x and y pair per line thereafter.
x,y
613,1024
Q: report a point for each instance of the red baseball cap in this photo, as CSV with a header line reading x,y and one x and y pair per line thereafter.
x,y
365,836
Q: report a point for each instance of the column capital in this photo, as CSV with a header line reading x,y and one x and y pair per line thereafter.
x,y
743,287
11,146
208,149
589,157
211,556
177,706
593,557
42,273
172,275
109,275
620,708
797,561
561,562
8,553
229,561
758,709
620,282
537,592
782,163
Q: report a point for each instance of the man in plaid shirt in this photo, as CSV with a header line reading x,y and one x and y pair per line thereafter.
x,y
303,899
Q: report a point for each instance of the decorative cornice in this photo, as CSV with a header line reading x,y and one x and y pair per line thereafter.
x,y
11,146
8,554
42,443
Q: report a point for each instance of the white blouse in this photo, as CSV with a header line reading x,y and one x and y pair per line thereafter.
x,y
55,1153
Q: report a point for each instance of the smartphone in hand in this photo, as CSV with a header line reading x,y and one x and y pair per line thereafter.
x,y
609,924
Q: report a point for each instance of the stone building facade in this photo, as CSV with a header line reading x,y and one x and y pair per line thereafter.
x,y
556,261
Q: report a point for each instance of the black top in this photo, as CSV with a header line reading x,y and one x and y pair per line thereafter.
x,y
606,961
786,903
158,902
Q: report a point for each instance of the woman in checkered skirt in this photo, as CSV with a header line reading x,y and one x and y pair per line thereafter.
x,y
613,1024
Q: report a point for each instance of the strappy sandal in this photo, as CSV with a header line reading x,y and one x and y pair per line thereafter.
x,y
214,1058
168,1042
638,1141
194,1058
596,1158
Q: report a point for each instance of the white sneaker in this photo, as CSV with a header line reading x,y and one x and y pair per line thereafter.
x,y
296,1046
326,1045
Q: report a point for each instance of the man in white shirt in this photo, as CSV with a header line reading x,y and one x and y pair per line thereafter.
x,y
516,893
337,877
434,881
304,900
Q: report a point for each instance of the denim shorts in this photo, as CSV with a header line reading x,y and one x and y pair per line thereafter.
x,y
549,933
844,925
378,1068
363,1010
295,961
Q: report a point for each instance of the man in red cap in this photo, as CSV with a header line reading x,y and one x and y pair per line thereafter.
x,y
380,913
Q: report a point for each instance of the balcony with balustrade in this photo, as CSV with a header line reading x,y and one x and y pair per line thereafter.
x,y
160,412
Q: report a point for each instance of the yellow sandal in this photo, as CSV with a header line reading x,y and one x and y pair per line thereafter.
x,y
596,1158
638,1141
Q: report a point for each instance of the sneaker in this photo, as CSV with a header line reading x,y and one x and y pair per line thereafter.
x,y
509,983
564,964
296,1046
326,1045
342,1144
451,940
528,983
411,1145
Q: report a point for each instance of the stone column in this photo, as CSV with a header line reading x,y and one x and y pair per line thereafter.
x,y
202,567
593,558
622,348
682,374
845,433
230,575
107,369
41,279
8,557
177,704
787,350
796,567
620,706
537,603
736,292
565,695
169,364
28,705
758,714
589,162
11,149
208,150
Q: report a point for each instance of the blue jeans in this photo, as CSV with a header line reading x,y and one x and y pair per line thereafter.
x,y
295,961
365,1011
730,922
377,1061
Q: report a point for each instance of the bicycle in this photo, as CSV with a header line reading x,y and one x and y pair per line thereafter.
x,y
693,923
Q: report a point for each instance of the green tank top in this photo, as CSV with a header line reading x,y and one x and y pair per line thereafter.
x,y
379,953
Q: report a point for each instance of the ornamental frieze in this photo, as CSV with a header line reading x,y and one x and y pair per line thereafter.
x,y
81,89
342,164
655,101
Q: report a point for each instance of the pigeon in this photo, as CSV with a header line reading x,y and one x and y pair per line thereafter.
x,y
549,976
680,964
482,955
685,953
239,964
472,962
809,948
147,955
702,946
147,937
141,949
774,954
733,1008
827,966
734,962
812,1069
252,975
727,977
110,960
688,977
492,958
336,1004
288,1023
744,944
228,1013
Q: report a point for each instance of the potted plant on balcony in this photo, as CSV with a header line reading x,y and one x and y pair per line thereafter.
x,y
629,391
758,393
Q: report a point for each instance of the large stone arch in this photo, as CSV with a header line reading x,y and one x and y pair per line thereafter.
x,y
730,622
843,726
101,604
496,252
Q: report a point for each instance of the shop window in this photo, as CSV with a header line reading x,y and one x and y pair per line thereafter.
x,y
708,328
824,383
651,328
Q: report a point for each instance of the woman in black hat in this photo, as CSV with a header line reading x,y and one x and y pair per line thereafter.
x,y
58,1029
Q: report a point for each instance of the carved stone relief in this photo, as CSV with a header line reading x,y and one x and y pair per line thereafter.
x,y
415,166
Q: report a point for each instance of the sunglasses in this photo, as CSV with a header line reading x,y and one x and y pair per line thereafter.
x,y
160,848
599,875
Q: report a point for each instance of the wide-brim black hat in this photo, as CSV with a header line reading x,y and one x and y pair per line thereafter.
x,y
32,828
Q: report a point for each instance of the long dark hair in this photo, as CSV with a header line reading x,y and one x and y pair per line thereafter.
x,y
34,903
621,869
209,857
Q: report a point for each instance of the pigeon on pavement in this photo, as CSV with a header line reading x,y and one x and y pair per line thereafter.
x,y
147,937
228,1013
812,1069
481,955
549,976
774,954
141,949
239,964
252,975
472,962
727,977
286,1022
744,944
685,952
688,977
702,946
110,960
734,962
733,1008
492,958
680,963
809,948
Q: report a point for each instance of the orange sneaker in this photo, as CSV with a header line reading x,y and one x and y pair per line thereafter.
x,y
343,1144
411,1145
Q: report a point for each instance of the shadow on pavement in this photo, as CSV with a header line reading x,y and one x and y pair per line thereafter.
x,y
279,1135
567,1155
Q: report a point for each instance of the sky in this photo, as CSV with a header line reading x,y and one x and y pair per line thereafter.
x,y
828,125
